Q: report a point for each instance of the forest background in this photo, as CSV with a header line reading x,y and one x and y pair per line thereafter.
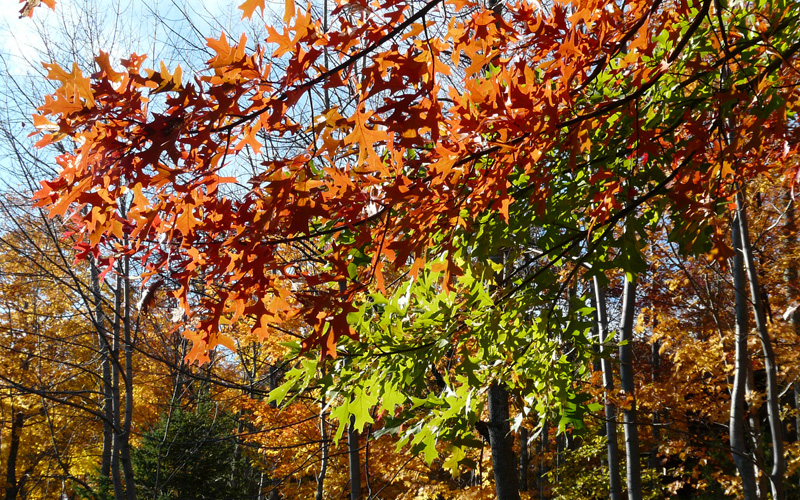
x,y
389,249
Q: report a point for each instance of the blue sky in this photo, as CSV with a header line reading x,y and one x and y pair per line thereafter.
x,y
79,29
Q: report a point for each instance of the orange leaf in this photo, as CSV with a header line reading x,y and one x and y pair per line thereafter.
x,y
288,14
73,83
250,6
140,201
366,138
504,204
43,124
163,80
186,221
105,65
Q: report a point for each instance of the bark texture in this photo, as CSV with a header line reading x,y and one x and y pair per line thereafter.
x,y
355,466
501,442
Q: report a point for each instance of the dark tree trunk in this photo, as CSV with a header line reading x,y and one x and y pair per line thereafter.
x,y
125,453
501,442
655,364
353,445
13,486
116,475
753,434
105,356
274,494
355,466
323,431
541,481
797,396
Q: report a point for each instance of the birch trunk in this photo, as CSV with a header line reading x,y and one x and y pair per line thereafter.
x,y
614,480
773,409
634,472
742,459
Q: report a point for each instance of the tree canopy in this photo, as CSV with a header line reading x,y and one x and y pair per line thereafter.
x,y
423,200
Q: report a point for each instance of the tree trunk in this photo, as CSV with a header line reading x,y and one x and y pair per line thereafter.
x,y
741,457
634,473
13,451
791,275
773,410
652,460
250,376
116,477
655,363
753,434
559,457
355,466
797,399
541,480
614,480
105,356
274,494
523,458
323,431
501,442
125,449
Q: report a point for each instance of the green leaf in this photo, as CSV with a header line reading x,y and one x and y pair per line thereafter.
x,y
342,415
392,397
456,454
360,407
279,393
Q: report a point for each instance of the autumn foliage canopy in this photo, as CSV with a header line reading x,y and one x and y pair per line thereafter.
x,y
396,177
454,112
